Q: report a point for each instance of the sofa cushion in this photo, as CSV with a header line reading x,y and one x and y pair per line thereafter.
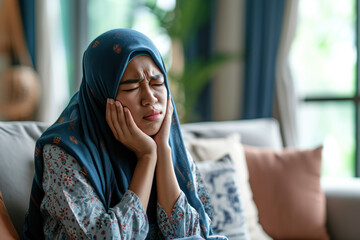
x,y
221,182
213,149
286,189
7,230
17,166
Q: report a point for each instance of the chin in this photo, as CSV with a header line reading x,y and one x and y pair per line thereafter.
x,y
150,128
151,131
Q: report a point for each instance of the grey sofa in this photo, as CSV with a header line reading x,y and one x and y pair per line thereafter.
x,y
17,141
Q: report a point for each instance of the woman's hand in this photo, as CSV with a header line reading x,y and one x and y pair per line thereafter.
x,y
162,137
126,131
168,190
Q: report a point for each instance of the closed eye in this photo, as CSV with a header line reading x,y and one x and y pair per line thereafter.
x,y
158,84
129,90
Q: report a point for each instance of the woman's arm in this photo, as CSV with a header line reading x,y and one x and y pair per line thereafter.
x,y
184,220
142,180
125,130
72,208
168,190
176,217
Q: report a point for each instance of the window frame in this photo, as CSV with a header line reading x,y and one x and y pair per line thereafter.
x,y
355,99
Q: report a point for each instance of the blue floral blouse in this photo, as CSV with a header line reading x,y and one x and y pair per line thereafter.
x,y
71,208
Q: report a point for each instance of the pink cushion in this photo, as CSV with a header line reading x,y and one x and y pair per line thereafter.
x,y
7,230
286,189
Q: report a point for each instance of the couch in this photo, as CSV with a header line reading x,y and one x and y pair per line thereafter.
x,y
16,169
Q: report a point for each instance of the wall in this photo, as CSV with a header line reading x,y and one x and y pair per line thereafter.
x,y
227,86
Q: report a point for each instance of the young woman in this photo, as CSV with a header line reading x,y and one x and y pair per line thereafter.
x,y
114,165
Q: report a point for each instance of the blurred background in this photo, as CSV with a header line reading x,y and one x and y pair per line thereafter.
x,y
293,60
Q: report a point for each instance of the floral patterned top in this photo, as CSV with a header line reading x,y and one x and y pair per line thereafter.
x,y
71,208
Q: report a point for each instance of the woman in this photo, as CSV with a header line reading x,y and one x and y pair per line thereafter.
x,y
114,165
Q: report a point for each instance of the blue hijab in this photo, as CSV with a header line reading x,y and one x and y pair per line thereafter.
x,y
83,132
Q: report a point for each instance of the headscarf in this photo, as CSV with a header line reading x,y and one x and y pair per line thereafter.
x,y
83,132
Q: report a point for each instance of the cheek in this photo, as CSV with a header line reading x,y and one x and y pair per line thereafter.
x,y
163,97
127,102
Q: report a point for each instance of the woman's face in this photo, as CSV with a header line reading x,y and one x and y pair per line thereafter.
x,y
142,90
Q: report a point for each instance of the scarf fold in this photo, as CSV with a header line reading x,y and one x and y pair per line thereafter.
x,y
83,132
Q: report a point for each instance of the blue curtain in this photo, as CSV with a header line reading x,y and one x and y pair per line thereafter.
x,y
27,11
200,45
263,24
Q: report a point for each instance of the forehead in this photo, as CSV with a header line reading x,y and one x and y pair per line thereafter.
x,y
140,63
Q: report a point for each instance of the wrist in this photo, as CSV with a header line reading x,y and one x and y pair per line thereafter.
x,y
148,156
164,149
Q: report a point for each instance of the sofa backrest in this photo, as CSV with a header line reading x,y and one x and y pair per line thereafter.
x,y
263,132
17,145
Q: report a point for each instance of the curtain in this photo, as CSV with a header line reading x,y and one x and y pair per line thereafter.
x,y
27,10
50,58
263,24
287,100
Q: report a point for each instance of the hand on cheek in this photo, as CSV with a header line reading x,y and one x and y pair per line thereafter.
x,y
126,131
162,137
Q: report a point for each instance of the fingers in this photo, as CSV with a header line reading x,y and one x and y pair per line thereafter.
x,y
121,120
115,120
170,107
169,112
130,122
163,135
109,118
126,131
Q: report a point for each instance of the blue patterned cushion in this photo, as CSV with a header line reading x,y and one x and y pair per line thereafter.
x,y
220,181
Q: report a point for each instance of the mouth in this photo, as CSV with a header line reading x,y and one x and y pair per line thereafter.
x,y
153,115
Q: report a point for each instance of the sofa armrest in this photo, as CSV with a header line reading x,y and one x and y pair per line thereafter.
x,y
17,146
343,207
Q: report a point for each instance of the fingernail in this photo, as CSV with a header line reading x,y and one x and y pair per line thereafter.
x,y
107,100
117,104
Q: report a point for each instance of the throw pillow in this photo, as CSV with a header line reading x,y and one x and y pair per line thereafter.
x,y
220,181
212,149
286,189
7,230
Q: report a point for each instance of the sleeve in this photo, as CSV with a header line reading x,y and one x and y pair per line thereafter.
x,y
184,220
75,210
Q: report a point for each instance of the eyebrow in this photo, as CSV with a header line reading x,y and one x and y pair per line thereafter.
x,y
136,80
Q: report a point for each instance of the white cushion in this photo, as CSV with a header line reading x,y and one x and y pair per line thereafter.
x,y
213,149
220,180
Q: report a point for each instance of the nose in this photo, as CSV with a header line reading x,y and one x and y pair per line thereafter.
x,y
148,97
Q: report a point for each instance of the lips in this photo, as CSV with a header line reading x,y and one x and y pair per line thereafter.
x,y
152,115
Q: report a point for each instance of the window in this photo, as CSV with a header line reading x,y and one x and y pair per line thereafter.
x,y
324,62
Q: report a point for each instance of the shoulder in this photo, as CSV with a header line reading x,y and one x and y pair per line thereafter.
x,y
51,152
52,148
57,157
